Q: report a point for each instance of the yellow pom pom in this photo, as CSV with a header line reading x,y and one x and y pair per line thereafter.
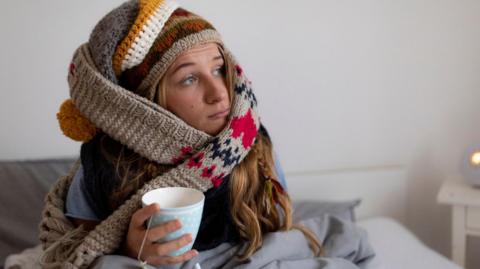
x,y
74,124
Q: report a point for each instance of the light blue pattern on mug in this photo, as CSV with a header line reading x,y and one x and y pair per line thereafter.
x,y
190,220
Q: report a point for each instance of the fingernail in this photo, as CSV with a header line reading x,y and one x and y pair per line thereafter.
x,y
176,225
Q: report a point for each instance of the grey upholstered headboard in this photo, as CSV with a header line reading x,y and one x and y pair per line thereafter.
x,y
23,188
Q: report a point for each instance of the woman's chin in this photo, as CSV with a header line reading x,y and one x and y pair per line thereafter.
x,y
215,129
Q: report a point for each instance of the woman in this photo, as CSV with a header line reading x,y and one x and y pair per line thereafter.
x,y
164,104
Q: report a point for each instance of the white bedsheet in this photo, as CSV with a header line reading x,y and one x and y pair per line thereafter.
x,y
398,248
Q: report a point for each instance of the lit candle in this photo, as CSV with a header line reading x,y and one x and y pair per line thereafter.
x,y
475,159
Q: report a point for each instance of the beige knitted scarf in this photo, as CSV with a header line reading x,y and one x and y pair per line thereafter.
x,y
153,132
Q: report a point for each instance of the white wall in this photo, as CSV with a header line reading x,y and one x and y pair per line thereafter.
x,y
341,84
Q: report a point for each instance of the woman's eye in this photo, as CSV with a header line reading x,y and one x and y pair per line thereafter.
x,y
189,81
218,71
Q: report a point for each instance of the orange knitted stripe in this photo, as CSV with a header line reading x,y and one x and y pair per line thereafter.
x,y
146,9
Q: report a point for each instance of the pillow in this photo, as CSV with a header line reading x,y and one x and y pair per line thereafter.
x,y
305,209
24,185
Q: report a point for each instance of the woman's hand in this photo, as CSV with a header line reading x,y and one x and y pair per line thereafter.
x,y
155,253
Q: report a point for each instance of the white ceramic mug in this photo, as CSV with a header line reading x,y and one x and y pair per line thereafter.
x,y
185,204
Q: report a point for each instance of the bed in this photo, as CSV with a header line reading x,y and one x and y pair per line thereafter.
x,y
382,190
398,248
24,184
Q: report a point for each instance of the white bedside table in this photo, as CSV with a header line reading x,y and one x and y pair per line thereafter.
x,y
465,202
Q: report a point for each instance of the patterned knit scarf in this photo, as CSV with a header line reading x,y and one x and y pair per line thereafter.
x,y
153,132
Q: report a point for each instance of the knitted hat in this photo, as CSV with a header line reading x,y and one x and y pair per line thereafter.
x,y
133,46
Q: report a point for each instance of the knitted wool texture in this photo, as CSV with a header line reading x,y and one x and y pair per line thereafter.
x,y
145,127
160,31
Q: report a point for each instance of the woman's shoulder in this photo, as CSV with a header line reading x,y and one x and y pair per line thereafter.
x,y
77,204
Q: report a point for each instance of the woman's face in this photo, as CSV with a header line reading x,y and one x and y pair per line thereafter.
x,y
195,88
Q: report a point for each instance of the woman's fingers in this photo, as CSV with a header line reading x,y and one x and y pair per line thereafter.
x,y
136,230
173,260
162,230
156,253
141,215
170,246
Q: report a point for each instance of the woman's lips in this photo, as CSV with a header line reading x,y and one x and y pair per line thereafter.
x,y
220,114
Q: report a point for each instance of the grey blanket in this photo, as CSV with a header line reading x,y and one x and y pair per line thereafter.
x,y
345,244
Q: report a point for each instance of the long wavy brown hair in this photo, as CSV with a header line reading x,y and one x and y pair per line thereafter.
x,y
257,206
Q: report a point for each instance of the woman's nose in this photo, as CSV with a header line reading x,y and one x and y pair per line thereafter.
x,y
216,90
